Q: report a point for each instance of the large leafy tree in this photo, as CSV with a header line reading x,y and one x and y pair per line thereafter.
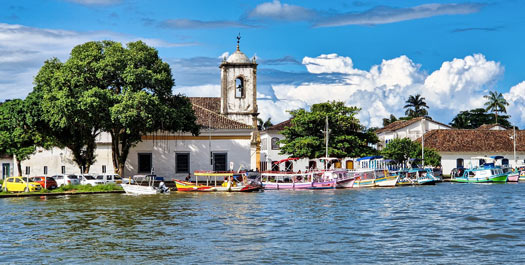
x,y
103,86
416,106
472,119
347,138
17,137
496,103
400,150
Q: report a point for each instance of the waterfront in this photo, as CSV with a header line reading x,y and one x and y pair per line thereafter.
x,y
446,223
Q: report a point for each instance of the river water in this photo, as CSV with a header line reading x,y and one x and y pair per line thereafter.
x,y
442,224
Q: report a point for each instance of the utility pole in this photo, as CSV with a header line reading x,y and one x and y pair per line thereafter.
x,y
422,143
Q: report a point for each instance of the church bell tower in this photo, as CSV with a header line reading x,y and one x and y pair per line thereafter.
x,y
239,87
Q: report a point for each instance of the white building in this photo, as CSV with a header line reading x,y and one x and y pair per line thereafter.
x,y
412,129
457,147
229,136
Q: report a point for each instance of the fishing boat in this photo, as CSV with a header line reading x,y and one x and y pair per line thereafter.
x,y
386,179
365,177
274,180
232,182
485,173
521,169
139,188
404,178
513,177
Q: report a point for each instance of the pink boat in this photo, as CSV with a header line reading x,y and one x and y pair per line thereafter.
x,y
513,177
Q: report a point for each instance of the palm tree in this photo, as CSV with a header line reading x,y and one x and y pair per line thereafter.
x,y
263,125
416,106
496,103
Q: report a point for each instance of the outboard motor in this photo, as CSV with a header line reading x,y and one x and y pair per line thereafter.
x,y
163,188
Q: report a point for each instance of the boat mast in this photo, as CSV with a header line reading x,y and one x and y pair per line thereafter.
x,y
422,143
326,135
514,138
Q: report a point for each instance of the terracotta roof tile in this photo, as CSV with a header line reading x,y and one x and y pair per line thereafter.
x,y
207,118
210,103
462,140
280,126
394,126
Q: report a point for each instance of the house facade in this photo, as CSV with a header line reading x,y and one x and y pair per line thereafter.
x,y
228,139
412,129
459,147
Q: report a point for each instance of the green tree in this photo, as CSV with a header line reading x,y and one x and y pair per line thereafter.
x,y
472,119
387,121
105,87
264,125
347,138
496,103
16,136
416,106
402,149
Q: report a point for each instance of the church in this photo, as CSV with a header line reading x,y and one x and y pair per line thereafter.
x,y
229,139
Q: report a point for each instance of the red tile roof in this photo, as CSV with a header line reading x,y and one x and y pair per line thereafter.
x,y
280,126
463,140
394,126
207,110
489,126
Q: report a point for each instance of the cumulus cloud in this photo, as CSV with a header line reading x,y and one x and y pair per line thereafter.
x,y
279,11
383,89
23,51
200,24
516,99
385,14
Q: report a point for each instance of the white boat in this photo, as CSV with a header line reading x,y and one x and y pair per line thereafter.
x,y
150,189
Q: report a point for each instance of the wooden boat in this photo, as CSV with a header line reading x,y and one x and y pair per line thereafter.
x,y
521,169
386,179
233,182
484,173
274,180
364,177
416,176
513,177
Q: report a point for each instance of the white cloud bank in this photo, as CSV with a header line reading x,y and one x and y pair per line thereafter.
x,y
458,85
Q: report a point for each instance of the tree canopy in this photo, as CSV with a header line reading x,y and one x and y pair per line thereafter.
x,y
264,125
402,149
496,103
416,106
347,138
16,135
105,87
474,118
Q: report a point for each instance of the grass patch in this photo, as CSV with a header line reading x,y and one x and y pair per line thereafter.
x,y
75,189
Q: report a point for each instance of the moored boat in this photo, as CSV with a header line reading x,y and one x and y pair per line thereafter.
x,y
233,182
364,177
138,189
386,179
513,177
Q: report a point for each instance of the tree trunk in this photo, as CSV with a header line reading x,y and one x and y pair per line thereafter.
x,y
19,166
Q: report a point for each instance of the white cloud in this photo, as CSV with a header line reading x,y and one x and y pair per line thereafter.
x,y
209,90
458,85
385,14
516,99
278,11
23,51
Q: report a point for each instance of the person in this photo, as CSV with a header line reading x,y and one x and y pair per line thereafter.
x,y
188,177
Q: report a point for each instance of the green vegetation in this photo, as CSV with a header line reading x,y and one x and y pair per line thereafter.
x,y
347,138
264,125
105,87
416,106
496,103
75,189
472,119
401,150
17,137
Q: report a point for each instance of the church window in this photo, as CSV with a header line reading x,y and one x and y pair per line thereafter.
x,y
182,161
239,87
275,143
144,162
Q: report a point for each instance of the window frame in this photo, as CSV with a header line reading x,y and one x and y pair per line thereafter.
x,y
188,169
139,169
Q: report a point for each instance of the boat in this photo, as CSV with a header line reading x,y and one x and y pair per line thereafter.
x,y
232,182
513,177
416,176
386,179
137,188
521,169
364,177
485,173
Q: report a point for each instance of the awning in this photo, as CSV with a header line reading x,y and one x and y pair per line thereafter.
x,y
369,158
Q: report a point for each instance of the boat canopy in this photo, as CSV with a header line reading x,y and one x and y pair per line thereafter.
x,y
369,158
497,157
487,159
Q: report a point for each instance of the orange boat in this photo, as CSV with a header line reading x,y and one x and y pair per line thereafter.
x,y
233,182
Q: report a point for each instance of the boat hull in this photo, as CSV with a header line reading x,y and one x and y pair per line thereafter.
x,y
498,179
390,181
139,190
287,186
345,183
513,177
364,183
189,186
324,185
185,186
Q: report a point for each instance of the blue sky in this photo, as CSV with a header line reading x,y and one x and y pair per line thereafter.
x,y
372,54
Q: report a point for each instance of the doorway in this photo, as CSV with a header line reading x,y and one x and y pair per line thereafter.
x,y
6,170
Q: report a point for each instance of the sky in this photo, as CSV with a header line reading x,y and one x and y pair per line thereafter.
x,y
371,54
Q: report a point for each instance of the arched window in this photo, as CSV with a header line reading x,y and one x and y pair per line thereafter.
x,y
505,162
275,143
459,163
239,87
